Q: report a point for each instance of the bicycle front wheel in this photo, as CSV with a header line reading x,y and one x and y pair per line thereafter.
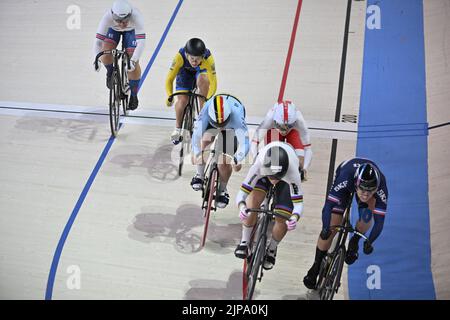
x,y
114,105
125,88
209,196
332,280
255,265
186,131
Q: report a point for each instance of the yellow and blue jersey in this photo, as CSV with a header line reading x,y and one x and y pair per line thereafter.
x,y
186,75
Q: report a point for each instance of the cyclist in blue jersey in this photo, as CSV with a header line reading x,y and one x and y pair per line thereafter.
x,y
363,178
222,114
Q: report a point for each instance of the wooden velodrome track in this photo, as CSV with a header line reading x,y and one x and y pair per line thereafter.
x,y
136,234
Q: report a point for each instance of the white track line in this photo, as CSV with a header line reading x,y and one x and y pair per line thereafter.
x,y
319,129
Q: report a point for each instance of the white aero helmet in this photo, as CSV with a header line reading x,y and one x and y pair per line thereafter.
x,y
285,115
219,111
121,10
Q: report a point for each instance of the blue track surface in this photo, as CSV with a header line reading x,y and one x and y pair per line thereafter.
x,y
393,133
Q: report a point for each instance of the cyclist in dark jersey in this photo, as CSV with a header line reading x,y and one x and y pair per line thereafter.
x,y
363,178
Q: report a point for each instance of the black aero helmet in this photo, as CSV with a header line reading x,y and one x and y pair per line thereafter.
x,y
195,47
367,177
275,163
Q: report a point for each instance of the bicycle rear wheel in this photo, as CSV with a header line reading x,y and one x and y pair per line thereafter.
x,y
332,280
186,131
114,105
208,200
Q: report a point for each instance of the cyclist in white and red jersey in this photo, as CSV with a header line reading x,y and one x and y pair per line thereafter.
x,y
124,20
284,122
276,164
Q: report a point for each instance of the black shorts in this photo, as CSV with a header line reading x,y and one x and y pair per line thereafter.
x,y
227,140
282,195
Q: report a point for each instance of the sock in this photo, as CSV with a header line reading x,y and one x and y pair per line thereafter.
x,y
246,234
273,244
319,257
134,85
201,170
222,187
109,69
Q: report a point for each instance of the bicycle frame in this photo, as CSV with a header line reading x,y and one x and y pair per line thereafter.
x,y
332,265
209,189
191,109
253,270
119,90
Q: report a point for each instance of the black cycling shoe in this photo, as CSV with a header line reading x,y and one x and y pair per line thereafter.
x,y
269,262
222,200
134,102
241,251
351,256
197,183
310,280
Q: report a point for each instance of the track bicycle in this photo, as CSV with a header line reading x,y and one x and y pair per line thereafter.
x,y
119,92
332,265
211,182
190,111
253,264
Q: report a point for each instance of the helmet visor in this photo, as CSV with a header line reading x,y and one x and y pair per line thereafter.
x,y
272,172
119,19
368,187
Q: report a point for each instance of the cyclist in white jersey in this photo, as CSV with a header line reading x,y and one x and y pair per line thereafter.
x,y
277,164
124,20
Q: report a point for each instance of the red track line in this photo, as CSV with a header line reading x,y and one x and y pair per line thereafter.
x,y
289,55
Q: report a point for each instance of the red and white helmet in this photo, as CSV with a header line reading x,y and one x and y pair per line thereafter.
x,y
285,115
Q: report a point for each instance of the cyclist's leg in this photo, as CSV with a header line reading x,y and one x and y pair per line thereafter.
x,y
229,147
110,42
134,77
203,86
200,162
185,82
254,200
321,251
283,205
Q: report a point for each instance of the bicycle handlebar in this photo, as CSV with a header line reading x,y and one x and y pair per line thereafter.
x,y
270,212
351,230
188,93
113,52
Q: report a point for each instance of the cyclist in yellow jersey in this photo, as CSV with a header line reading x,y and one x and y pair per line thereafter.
x,y
193,66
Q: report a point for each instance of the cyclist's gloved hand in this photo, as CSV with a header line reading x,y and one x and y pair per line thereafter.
x,y
368,248
98,66
169,101
243,214
292,222
325,234
132,66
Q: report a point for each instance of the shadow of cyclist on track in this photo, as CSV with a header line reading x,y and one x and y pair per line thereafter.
x,y
205,289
